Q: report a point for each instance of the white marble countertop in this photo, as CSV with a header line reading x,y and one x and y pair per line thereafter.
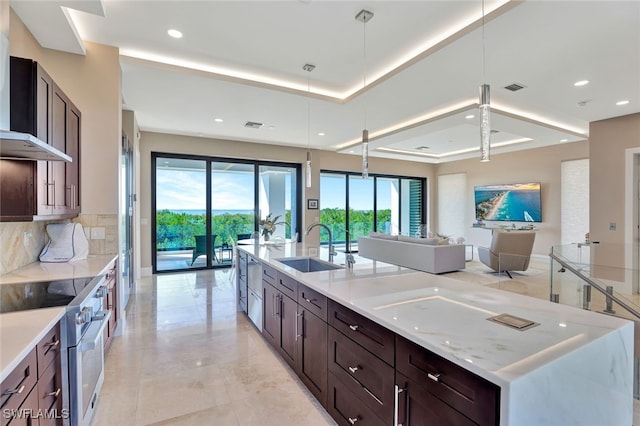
x,y
40,271
21,331
449,316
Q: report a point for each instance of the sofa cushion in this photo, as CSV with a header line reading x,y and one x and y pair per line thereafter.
x,y
428,241
383,236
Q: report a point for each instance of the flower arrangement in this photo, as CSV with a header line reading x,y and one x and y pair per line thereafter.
x,y
268,225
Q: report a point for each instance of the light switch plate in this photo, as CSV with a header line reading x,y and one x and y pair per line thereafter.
x,y
612,226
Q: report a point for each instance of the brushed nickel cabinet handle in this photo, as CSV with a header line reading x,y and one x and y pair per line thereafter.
x,y
353,327
397,392
434,377
353,420
14,391
52,344
354,369
56,393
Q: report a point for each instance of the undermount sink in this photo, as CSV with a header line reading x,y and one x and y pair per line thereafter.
x,y
308,264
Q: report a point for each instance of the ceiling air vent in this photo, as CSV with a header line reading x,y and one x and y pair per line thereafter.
x,y
493,132
514,87
422,148
253,125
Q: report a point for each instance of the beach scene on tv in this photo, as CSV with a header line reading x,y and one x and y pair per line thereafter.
x,y
519,202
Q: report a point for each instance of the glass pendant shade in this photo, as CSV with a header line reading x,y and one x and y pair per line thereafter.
x,y
308,170
365,154
485,124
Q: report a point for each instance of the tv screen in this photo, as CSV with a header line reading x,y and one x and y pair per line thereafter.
x,y
517,202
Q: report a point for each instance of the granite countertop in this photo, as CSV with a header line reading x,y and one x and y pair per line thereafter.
x,y
449,316
21,331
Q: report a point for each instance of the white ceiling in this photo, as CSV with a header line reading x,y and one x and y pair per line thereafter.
x,y
242,61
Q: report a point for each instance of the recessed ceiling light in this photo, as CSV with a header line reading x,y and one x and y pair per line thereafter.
x,y
351,152
271,127
470,116
620,103
581,83
174,33
321,134
564,140
218,120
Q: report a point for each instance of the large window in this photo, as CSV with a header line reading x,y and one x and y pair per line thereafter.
x,y
201,204
388,204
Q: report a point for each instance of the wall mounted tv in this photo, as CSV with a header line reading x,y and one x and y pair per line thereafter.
x,y
516,202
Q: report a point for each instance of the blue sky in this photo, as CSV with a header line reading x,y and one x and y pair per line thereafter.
x,y
185,190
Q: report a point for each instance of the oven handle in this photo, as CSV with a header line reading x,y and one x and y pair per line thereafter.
x,y
93,337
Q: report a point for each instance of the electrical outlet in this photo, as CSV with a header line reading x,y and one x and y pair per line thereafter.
x,y
612,226
26,238
97,233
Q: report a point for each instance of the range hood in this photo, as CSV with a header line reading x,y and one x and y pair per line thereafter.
x,y
23,146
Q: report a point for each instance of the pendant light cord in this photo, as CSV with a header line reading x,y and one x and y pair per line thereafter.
x,y
308,112
484,61
364,68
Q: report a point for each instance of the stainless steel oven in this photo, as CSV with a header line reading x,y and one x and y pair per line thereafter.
x,y
86,325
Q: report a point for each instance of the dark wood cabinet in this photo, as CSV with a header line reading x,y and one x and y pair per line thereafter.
x,y
312,353
32,393
47,189
456,389
418,407
346,409
279,322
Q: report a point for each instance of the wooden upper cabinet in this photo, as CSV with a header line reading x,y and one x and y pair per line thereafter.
x,y
39,107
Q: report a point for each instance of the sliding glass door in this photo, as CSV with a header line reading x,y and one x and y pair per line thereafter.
x,y
203,205
387,204
180,213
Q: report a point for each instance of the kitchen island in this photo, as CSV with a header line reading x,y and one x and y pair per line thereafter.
x,y
567,366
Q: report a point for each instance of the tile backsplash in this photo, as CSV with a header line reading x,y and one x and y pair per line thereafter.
x,y
22,242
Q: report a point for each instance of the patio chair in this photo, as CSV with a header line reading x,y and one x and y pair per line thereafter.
x,y
201,247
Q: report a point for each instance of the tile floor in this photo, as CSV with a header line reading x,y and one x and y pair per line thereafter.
x,y
186,357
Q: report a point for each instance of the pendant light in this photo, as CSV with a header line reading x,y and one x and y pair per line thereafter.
x,y
308,68
485,123
364,16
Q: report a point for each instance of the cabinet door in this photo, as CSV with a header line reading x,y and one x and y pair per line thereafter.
x,y
289,329
50,394
72,188
57,171
270,314
312,353
417,406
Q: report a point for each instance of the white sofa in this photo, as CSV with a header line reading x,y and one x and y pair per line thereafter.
x,y
416,253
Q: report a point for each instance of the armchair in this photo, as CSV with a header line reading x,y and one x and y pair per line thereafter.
x,y
509,251
201,247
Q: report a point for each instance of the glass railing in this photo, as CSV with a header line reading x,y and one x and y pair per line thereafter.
x,y
577,282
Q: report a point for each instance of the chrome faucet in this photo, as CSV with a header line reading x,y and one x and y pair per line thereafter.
x,y
331,251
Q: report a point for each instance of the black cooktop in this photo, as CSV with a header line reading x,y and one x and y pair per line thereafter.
x,y
40,294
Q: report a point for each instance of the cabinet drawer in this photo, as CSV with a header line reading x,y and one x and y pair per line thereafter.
x,y
29,412
288,286
269,275
48,348
312,301
16,387
468,393
416,406
366,376
346,409
373,337
50,393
